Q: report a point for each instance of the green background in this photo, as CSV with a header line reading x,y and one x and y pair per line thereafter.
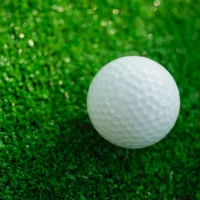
x,y
49,53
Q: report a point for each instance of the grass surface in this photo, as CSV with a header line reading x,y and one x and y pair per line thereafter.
x,y
49,53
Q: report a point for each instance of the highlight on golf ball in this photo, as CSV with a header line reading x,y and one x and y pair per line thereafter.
x,y
133,102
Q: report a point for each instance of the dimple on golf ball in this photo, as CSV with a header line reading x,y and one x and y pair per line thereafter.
x,y
133,102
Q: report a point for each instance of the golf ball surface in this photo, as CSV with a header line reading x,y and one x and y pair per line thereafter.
x,y
133,102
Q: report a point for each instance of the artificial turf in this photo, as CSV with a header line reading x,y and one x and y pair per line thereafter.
x,y
49,53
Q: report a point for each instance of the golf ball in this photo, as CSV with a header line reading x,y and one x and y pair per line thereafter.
x,y
133,102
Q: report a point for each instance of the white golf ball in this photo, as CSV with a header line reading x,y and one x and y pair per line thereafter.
x,y
133,102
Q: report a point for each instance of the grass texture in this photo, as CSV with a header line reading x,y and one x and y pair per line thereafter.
x,y
49,53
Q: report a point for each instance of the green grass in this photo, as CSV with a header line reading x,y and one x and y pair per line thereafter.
x,y
49,53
